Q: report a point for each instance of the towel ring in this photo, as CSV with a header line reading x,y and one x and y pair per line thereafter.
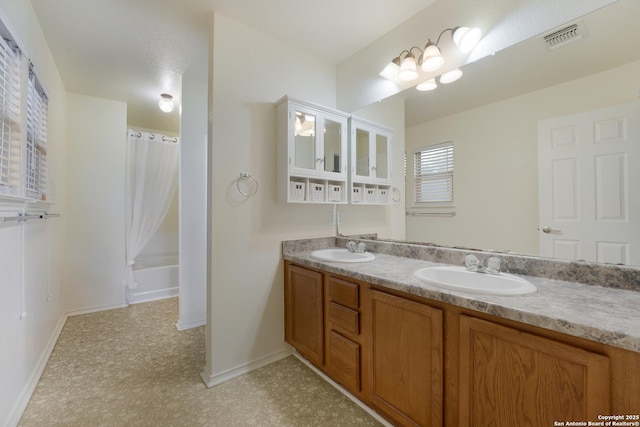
x,y
243,177
395,198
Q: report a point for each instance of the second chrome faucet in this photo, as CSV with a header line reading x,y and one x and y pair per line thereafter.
x,y
359,248
474,264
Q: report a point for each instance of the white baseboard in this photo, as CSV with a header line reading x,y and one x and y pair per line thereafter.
x,y
342,390
211,380
96,309
140,297
31,384
190,325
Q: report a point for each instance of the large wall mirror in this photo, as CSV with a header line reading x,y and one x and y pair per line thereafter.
x,y
492,116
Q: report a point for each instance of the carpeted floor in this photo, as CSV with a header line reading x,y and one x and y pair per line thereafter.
x,y
132,367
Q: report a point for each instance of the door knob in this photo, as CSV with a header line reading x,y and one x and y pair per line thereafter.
x,y
550,230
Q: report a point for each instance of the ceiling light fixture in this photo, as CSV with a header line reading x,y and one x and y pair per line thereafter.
x,y
404,67
166,102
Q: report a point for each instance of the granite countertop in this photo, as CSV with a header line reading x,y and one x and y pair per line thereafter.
x,y
602,314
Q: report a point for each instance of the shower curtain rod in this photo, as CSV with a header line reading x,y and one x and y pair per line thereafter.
x,y
153,136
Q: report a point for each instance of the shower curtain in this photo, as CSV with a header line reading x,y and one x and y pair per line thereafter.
x,y
151,179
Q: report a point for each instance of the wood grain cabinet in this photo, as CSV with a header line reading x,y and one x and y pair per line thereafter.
x,y
419,362
508,377
304,312
406,369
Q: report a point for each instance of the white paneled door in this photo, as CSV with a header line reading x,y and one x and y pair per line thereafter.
x,y
589,185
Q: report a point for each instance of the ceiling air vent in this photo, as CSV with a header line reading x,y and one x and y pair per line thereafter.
x,y
563,36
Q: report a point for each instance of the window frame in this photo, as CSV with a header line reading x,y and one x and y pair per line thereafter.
x,y
443,157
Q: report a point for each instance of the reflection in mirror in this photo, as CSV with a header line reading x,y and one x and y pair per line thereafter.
x,y
362,152
496,169
332,146
305,141
381,156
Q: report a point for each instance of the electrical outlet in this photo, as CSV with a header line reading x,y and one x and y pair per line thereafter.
x,y
332,219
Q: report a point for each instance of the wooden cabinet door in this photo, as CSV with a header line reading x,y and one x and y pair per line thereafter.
x,y
304,308
406,380
508,377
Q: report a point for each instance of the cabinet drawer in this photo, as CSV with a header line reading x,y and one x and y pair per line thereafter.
x,y
344,360
345,293
344,319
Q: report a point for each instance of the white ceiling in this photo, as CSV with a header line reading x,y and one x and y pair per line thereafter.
x,y
133,50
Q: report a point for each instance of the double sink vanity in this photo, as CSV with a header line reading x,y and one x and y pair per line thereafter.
x,y
424,341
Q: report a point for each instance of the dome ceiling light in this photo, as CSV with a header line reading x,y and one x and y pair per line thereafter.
x,y
166,103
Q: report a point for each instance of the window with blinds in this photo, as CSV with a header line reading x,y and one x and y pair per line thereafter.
x,y
23,131
433,173
36,143
10,118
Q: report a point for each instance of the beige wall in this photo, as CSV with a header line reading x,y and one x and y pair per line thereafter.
x,y
496,170
246,297
97,131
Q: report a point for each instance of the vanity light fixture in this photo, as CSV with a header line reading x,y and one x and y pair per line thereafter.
x,y
166,102
450,76
427,85
408,67
466,38
404,67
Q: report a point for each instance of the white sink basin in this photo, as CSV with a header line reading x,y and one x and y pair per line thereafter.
x,y
460,279
341,255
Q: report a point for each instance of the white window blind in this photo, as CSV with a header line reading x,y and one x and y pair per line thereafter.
x,y
10,141
36,144
433,173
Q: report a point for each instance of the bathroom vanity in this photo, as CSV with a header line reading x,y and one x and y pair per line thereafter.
x,y
420,355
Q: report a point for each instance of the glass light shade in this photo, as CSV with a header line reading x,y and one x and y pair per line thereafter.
x,y
390,71
408,69
166,103
466,38
451,76
428,85
431,58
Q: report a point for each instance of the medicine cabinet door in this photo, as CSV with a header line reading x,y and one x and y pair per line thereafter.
x,y
382,156
303,126
334,146
362,152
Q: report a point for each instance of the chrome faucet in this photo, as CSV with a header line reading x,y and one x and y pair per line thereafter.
x,y
474,264
359,248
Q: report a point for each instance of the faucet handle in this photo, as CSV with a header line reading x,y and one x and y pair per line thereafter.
x,y
472,262
493,265
362,247
351,245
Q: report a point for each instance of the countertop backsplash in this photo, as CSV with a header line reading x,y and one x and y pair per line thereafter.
x,y
611,276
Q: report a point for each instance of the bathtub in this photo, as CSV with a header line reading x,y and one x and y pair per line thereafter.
x,y
157,278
